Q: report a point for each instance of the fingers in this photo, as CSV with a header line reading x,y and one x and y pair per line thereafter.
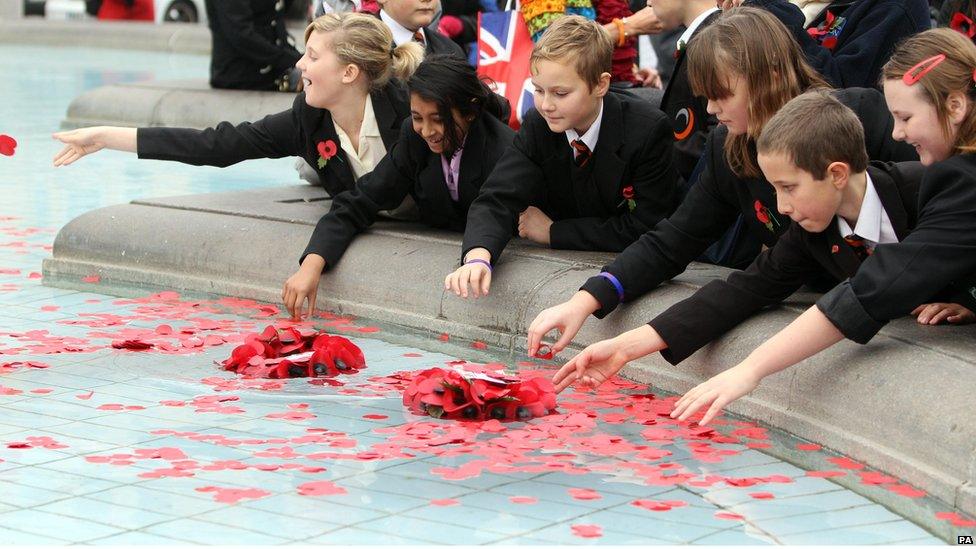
x,y
475,278
565,376
296,309
713,410
566,336
485,283
928,311
702,400
289,300
918,310
941,314
67,155
311,302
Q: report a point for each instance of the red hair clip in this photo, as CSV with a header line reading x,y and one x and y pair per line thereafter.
x,y
924,67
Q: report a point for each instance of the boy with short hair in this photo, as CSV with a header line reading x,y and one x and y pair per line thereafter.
x,y
590,169
410,20
812,151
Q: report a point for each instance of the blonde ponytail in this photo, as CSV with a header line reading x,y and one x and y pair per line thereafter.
x,y
363,40
406,58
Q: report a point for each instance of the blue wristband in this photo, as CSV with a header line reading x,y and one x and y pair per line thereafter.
x,y
482,261
616,284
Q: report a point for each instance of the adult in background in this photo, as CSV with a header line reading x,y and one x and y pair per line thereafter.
x,y
251,47
848,42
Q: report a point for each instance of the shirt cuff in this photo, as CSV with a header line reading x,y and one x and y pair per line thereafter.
x,y
842,307
604,292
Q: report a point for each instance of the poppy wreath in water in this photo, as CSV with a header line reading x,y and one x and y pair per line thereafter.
x,y
450,394
280,353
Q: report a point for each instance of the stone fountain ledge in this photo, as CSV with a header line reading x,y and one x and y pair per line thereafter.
x,y
902,404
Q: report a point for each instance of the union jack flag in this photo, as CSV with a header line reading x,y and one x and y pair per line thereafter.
x,y
504,47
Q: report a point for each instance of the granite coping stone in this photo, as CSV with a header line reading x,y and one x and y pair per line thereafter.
x,y
902,404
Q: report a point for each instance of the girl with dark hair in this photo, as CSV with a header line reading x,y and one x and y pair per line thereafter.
x,y
445,151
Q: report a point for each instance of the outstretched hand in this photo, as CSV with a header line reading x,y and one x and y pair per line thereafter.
x,y
77,143
594,365
716,393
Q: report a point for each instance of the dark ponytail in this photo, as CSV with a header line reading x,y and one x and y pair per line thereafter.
x,y
451,83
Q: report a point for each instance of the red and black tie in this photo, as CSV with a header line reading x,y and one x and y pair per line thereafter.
x,y
419,38
861,249
581,151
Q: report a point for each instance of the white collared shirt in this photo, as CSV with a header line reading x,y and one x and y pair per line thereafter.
x,y
686,36
592,135
401,34
371,147
873,225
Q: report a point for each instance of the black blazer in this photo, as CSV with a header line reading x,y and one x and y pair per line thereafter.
x,y
872,29
634,149
688,113
940,251
251,46
779,271
411,168
438,43
716,200
295,132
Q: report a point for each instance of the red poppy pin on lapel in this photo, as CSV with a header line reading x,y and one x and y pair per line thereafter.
x,y
327,149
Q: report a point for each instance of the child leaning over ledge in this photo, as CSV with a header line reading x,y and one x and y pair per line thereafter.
x,y
812,152
588,170
929,85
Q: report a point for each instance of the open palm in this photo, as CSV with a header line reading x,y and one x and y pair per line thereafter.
x,y
77,143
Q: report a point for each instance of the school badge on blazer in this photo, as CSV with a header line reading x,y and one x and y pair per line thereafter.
x,y
683,123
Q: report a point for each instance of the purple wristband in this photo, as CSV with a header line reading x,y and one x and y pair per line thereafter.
x,y
482,261
616,284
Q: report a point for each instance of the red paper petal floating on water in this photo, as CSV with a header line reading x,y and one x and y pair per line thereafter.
x,y
480,345
808,447
825,474
523,500
444,502
587,530
320,488
584,494
729,516
132,345
92,279
8,145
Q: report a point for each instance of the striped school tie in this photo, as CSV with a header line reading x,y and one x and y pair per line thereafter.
x,y
581,152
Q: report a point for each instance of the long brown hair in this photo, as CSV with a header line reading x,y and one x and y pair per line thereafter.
x,y
955,74
753,44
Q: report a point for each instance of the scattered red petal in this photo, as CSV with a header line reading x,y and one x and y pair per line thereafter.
x,y
480,345
874,477
587,530
584,494
444,337
729,516
808,447
85,396
825,474
375,416
34,276
233,495
524,500
444,502
92,279
846,463
761,495
906,490
320,488
8,145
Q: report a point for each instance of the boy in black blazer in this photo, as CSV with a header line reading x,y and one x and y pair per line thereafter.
x,y
841,207
410,20
588,170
